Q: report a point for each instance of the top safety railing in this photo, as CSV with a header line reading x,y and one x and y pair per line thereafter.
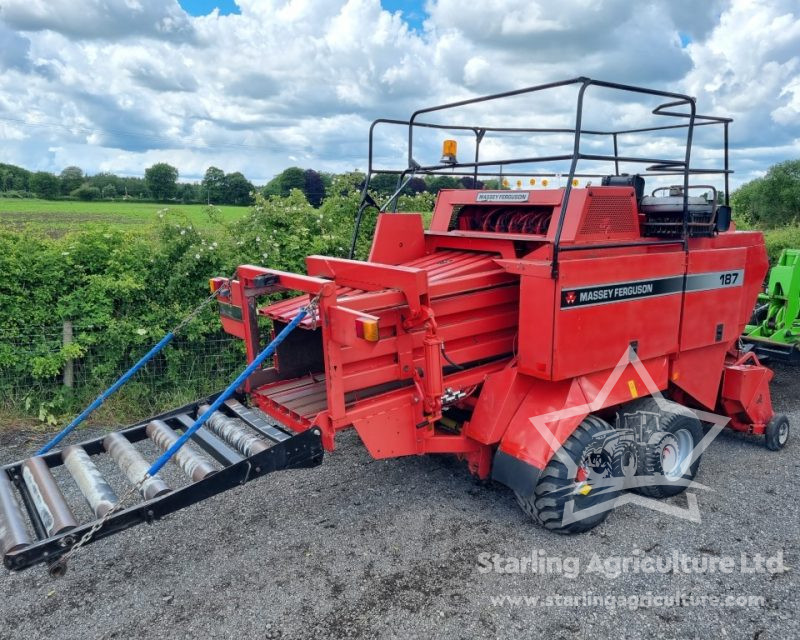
x,y
676,105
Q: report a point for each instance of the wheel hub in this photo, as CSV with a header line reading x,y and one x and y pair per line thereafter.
x,y
675,451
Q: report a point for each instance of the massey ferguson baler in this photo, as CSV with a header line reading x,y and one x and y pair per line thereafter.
x,y
568,342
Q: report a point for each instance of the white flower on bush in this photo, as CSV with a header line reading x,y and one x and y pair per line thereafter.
x,y
183,232
197,256
141,332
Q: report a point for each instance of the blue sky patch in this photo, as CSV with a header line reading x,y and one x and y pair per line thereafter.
x,y
413,11
204,7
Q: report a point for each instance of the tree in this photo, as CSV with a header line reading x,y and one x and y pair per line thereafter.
x,y
436,183
86,192
384,184
773,200
416,185
314,187
237,189
161,180
468,182
283,183
188,192
13,177
71,179
213,185
45,185
103,179
133,187
109,192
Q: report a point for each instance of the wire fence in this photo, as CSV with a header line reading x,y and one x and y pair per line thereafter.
x,y
37,381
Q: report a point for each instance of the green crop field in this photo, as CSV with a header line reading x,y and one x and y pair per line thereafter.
x,y
57,217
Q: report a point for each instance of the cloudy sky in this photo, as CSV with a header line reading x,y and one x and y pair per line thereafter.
x,y
259,85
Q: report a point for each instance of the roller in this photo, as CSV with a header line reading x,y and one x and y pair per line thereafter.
x,y
13,532
134,466
50,504
195,465
229,430
90,481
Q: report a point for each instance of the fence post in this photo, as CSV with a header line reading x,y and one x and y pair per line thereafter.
x,y
69,371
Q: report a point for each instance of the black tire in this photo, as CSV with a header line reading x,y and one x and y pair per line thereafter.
x,y
777,434
556,489
649,426
626,462
668,451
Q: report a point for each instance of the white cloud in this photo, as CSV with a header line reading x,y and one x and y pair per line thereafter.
x,y
104,19
117,84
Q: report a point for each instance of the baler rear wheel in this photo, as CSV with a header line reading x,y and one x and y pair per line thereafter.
x,y
777,434
667,455
559,486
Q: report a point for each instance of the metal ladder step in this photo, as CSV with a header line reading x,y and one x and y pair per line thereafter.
x,y
37,524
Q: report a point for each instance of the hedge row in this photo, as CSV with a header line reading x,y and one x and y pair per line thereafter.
x,y
123,290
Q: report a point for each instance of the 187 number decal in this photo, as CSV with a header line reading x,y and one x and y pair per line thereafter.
x,y
727,279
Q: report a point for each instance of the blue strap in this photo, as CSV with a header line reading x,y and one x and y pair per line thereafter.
x,y
104,396
255,364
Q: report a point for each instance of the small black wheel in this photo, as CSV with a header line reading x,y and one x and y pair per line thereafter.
x,y
777,434
577,496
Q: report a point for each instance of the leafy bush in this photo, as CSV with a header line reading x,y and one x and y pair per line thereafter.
x,y
779,239
86,192
17,194
771,201
123,290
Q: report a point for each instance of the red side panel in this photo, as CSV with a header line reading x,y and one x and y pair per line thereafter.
x,y
390,434
714,285
698,372
535,338
501,396
560,406
523,440
746,397
594,336
399,238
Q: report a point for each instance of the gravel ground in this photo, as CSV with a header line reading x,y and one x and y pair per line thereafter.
x,y
361,548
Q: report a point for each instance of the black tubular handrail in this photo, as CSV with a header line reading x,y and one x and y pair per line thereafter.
x,y
674,106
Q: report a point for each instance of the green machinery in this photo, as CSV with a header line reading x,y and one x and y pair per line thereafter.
x,y
775,328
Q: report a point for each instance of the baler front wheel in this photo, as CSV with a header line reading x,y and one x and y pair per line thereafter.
x,y
777,434
572,496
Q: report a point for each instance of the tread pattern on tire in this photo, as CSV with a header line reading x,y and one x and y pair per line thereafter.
x,y
553,492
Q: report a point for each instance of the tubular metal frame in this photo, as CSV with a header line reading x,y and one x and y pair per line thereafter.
x,y
659,166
